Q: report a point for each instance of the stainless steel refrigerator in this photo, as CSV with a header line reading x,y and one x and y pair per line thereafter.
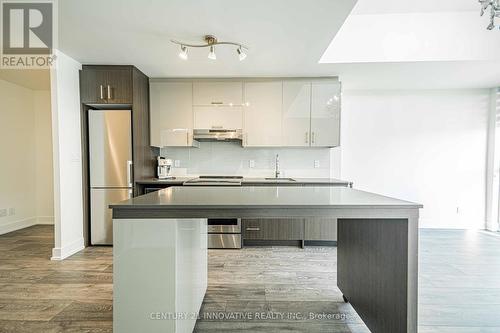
x,y
110,164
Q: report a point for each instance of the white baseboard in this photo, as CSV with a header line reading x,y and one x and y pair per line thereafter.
x,y
490,233
60,253
450,224
25,223
491,226
45,220
17,225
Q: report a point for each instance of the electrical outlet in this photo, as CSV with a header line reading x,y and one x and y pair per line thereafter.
x,y
251,163
12,211
177,163
3,212
316,164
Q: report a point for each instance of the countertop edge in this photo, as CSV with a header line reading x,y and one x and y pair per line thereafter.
x,y
251,181
240,207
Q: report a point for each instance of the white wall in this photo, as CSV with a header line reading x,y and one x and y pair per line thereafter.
x,y
44,173
17,148
228,158
67,157
423,146
25,147
493,162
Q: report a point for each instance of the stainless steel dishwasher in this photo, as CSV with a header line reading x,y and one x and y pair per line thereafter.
x,y
224,233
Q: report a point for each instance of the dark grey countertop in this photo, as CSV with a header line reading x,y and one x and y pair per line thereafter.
x,y
252,181
156,181
261,197
297,181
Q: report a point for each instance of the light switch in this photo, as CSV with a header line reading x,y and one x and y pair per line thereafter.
x,y
316,164
251,163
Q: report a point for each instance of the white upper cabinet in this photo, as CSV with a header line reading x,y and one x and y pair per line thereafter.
x,y
222,93
177,137
171,114
262,114
207,117
296,113
325,114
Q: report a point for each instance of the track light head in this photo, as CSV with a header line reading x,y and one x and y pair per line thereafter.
x,y
184,53
211,54
241,54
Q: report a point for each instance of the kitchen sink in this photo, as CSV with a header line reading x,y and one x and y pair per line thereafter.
x,y
281,179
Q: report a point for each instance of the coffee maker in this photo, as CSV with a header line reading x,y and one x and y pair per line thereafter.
x,y
164,169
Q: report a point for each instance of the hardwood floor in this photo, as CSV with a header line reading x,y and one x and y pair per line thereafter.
x,y
459,287
40,295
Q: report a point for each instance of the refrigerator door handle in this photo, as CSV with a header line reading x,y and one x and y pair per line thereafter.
x,y
129,173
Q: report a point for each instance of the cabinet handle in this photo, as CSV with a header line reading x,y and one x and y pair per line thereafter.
x,y
130,194
217,103
252,229
102,91
313,138
307,137
129,173
109,91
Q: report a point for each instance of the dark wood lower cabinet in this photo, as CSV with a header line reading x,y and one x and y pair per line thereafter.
x,y
273,229
314,231
320,229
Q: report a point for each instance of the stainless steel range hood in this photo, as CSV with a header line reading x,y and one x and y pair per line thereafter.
x,y
218,134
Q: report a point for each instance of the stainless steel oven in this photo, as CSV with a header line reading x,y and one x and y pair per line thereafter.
x,y
224,233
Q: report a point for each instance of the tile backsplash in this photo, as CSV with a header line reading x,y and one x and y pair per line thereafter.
x,y
229,158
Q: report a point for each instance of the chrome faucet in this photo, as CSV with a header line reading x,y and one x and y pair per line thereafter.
x,y
277,171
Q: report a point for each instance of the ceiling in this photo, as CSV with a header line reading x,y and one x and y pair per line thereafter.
x,y
424,44
35,79
285,37
446,36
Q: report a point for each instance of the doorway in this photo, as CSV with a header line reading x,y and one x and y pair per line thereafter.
x,y
26,171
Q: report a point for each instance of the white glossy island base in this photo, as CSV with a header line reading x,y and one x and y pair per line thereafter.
x,y
160,274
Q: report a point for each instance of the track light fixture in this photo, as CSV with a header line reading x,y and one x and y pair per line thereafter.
x,y
494,11
210,42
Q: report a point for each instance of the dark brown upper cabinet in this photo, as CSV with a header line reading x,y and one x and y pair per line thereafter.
x,y
106,84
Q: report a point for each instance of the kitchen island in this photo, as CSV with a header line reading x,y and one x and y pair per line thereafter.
x,y
160,251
